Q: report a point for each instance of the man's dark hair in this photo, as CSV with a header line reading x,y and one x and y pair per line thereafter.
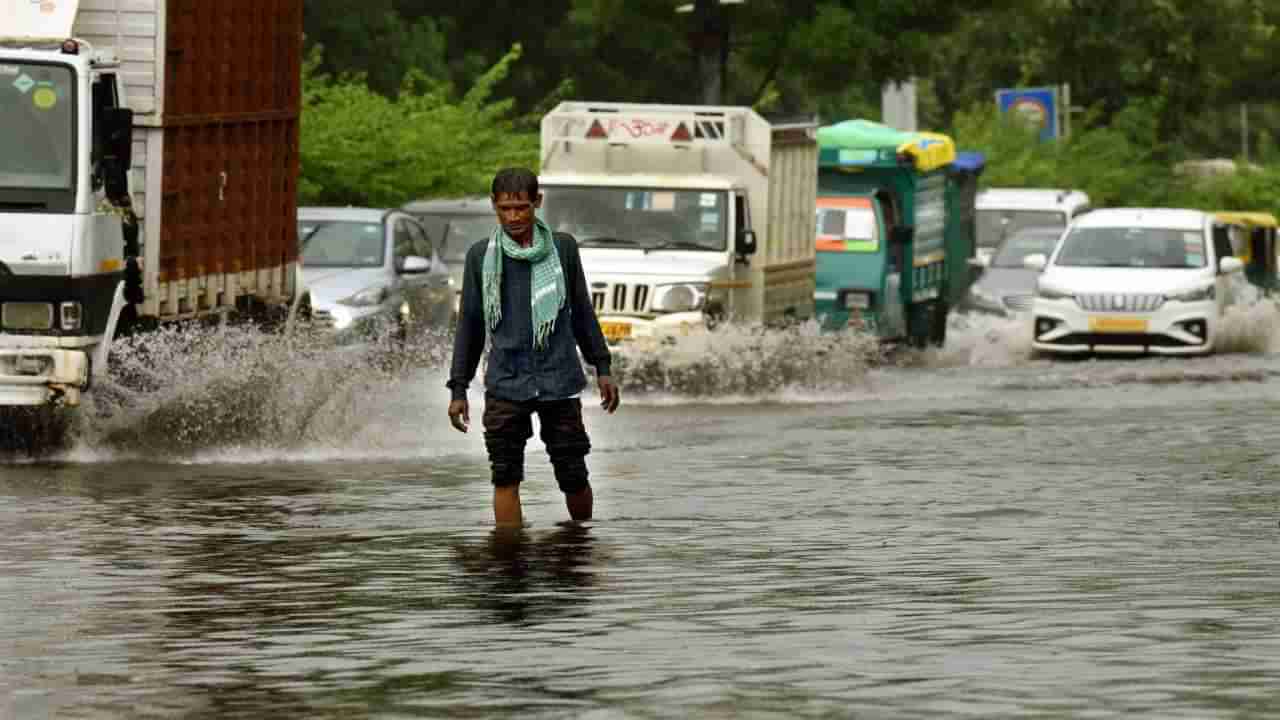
x,y
515,180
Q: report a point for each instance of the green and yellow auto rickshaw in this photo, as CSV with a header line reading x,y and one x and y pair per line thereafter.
x,y
1253,240
895,230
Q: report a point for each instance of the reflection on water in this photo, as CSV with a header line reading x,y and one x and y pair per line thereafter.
x,y
943,537
525,578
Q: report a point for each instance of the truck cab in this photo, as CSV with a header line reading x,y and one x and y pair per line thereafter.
x,y
660,251
681,215
68,241
148,175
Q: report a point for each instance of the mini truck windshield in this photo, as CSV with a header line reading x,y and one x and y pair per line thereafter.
x,y
993,225
650,218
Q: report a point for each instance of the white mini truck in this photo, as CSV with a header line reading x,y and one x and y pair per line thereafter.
x,y
686,215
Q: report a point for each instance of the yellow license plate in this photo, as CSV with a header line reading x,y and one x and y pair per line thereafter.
x,y
615,331
1117,324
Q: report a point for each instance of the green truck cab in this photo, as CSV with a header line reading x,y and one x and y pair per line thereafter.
x,y
895,230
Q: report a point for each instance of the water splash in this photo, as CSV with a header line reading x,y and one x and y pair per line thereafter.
x,y
733,361
183,391
242,394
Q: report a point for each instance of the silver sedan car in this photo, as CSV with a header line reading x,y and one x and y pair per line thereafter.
x,y
372,273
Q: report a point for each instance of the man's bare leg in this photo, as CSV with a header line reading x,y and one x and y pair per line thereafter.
x,y
579,504
506,506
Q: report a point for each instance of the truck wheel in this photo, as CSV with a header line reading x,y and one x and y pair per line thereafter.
x,y
938,323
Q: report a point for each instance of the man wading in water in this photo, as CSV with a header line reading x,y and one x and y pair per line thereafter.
x,y
524,288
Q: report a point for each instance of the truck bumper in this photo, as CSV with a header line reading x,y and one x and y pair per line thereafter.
x,y
624,329
40,376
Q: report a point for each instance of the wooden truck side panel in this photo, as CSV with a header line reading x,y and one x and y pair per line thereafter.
x,y
215,87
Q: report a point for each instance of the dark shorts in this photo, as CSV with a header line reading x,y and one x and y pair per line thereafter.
x,y
509,425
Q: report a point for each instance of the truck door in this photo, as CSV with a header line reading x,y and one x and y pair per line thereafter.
x,y
897,269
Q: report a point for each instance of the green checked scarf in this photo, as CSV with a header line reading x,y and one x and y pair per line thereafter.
x,y
548,279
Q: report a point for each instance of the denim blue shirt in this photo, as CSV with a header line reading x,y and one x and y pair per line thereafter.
x,y
517,371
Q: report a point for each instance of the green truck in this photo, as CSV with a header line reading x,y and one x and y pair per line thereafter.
x,y
895,230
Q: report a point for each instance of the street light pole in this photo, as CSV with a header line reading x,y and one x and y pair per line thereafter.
x,y
709,39
706,22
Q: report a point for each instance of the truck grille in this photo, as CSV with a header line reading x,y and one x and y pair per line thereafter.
x,y
619,297
1120,302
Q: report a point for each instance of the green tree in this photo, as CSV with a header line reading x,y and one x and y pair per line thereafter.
x,y
360,147
374,39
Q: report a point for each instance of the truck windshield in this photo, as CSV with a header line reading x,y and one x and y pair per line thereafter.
x,y
651,218
847,227
995,225
1017,247
37,129
1132,248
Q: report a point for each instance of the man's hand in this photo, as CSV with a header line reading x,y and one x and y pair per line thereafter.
x,y
460,414
609,395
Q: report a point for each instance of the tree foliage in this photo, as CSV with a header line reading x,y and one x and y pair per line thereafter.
x,y
1162,80
362,148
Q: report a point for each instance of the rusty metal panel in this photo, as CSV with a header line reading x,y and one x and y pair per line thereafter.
x,y
232,94
232,57
229,200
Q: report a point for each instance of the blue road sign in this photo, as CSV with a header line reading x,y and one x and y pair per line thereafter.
x,y
1038,106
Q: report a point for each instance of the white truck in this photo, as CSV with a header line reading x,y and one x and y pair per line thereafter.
x,y
685,215
148,168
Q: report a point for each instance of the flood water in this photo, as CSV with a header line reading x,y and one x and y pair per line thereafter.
x,y
969,533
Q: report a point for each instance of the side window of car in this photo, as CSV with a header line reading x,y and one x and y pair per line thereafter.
x,y
1221,243
402,242
421,243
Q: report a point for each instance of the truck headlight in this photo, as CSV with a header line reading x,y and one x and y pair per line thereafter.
x,y
683,297
366,297
1192,295
1052,293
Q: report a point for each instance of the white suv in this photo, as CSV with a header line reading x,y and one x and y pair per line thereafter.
x,y
1134,280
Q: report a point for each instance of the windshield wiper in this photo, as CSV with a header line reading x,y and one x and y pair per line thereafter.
x,y
606,240
676,244
314,230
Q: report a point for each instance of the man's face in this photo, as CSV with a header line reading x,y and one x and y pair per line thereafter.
x,y
515,212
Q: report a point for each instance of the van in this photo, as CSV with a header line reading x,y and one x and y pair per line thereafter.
x,y
1004,211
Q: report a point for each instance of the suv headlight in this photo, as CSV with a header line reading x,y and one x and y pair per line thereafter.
x,y
682,297
1052,293
1192,295
366,297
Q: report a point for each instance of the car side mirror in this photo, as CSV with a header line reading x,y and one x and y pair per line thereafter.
x,y
414,264
746,242
1035,261
1230,264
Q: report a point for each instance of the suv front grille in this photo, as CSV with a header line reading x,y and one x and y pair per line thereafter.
x,y
1120,302
620,297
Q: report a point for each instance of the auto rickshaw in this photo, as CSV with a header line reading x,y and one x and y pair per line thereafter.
x,y
1253,240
